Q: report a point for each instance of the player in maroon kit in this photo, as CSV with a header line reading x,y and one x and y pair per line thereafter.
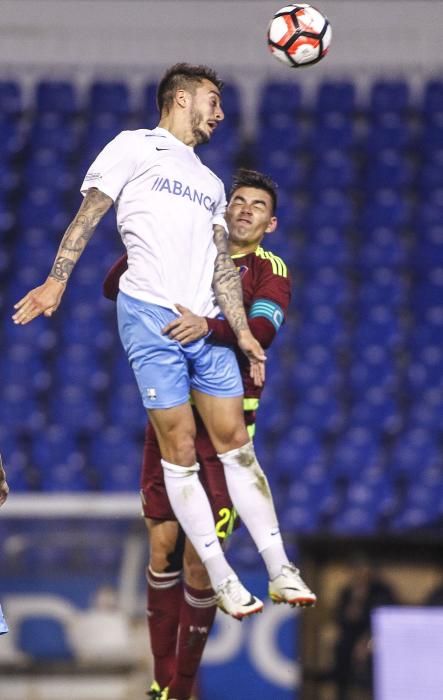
x,y
180,616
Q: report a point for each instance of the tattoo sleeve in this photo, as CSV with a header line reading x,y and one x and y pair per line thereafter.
x,y
80,230
227,284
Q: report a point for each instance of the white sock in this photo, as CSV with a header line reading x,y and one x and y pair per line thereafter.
x,y
191,507
252,498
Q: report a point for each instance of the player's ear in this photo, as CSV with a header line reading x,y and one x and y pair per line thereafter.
x,y
272,225
181,97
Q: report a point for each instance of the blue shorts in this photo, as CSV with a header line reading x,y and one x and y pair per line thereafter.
x,y
165,370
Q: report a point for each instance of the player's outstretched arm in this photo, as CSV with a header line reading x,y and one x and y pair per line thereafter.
x,y
228,292
46,298
4,488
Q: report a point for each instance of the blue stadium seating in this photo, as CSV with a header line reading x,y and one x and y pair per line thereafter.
x,y
10,98
389,96
350,426
335,96
56,96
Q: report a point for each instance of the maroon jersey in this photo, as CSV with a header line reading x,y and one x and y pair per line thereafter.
x,y
267,287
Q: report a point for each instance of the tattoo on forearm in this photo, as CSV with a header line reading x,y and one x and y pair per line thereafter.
x,y
62,268
79,232
227,284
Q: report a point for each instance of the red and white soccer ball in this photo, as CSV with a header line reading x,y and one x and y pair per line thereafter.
x,y
299,35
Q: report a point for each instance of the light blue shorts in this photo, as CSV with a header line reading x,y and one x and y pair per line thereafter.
x,y
165,370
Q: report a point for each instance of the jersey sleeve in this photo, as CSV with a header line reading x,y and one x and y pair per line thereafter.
x,y
272,293
260,328
220,209
268,309
114,166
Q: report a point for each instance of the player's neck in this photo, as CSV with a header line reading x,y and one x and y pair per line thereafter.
x,y
242,249
178,128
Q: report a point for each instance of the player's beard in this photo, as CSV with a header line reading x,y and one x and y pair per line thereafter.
x,y
199,135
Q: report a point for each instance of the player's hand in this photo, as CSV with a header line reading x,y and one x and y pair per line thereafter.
x,y
187,327
4,488
255,354
41,300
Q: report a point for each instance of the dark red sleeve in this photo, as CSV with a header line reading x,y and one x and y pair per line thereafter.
x,y
261,328
267,285
110,283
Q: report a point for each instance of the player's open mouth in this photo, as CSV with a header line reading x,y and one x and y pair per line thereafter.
x,y
212,125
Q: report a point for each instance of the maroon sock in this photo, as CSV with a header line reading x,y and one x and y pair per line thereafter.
x,y
196,619
165,594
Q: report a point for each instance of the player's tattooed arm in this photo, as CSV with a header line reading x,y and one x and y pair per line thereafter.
x,y
229,295
79,232
227,284
46,298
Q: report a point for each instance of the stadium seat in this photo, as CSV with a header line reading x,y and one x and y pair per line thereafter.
x,y
56,96
432,97
10,98
68,476
332,168
389,96
431,137
75,406
52,132
378,410
335,96
109,97
279,98
280,130
13,137
382,286
389,169
332,130
326,246
389,130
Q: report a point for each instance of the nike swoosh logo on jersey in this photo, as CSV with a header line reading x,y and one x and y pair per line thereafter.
x,y
161,149
208,544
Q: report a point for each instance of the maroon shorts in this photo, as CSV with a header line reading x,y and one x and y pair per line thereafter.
x,y
153,492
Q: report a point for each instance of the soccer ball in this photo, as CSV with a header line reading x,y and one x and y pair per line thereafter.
x,y
299,35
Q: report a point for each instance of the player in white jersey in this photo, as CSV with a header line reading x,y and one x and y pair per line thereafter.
x,y
170,215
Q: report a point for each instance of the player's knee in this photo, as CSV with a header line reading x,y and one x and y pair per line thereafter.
x,y
180,449
232,438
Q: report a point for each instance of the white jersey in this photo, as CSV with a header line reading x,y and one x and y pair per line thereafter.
x,y
166,204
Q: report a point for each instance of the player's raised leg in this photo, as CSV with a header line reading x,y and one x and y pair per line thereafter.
x,y
175,432
251,495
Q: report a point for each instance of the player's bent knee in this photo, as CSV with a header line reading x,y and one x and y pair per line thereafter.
x,y
232,439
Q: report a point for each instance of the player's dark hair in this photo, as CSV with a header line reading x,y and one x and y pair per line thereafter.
x,y
183,76
252,178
